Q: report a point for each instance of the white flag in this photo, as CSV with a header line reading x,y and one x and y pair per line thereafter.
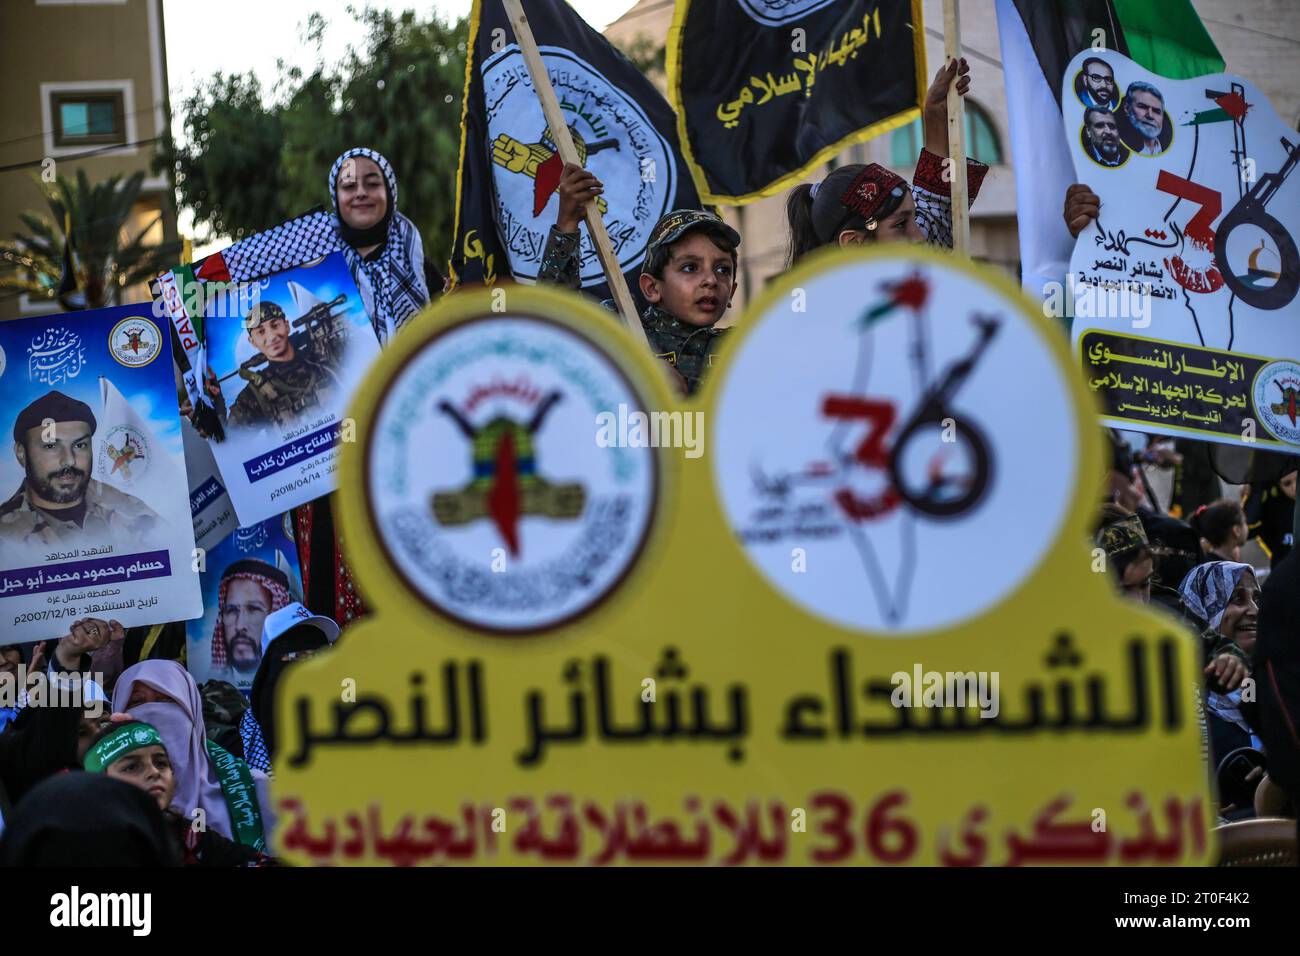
x,y
127,454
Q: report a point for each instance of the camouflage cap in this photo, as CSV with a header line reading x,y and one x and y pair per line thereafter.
x,y
1122,535
223,705
678,223
262,312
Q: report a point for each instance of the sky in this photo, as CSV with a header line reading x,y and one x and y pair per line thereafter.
x,y
253,34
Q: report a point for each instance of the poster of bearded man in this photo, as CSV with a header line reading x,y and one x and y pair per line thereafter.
x,y
94,515
250,574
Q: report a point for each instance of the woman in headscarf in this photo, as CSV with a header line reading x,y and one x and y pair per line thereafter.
x,y
235,800
868,203
1224,595
386,257
134,752
383,247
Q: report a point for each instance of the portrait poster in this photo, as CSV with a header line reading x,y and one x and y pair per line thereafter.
x,y
94,519
247,575
287,351
1186,315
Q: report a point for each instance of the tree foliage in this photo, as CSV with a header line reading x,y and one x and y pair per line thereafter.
x,y
646,53
253,158
107,255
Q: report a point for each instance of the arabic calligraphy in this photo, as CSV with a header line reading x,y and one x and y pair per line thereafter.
x,y
1156,382
769,86
55,356
565,828
593,710
814,717
305,448
18,581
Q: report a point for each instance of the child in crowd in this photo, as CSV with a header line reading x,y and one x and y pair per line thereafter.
x,y
133,752
1222,529
688,276
860,203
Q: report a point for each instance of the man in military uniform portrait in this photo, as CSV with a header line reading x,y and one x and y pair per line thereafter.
x,y
292,380
59,503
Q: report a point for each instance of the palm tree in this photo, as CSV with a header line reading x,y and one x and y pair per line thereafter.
x,y
87,227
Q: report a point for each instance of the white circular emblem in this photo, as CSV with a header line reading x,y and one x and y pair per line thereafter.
x,y
135,341
125,455
622,149
486,483
913,403
773,13
141,736
1277,400
2,360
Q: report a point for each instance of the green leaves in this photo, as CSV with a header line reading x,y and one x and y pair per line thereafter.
x,y
110,252
252,161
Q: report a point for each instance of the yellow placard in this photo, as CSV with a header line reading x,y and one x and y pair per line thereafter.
x,y
843,611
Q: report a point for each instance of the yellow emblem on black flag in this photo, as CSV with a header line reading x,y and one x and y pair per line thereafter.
x,y
510,167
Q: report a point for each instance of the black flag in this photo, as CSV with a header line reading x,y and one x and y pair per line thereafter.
x,y
765,90
506,199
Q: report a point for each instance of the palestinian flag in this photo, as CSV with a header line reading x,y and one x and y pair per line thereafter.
x,y
1038,41
506,200
767,90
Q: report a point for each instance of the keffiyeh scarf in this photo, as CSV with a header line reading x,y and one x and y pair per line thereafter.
x,y
1207,589
250,733
279,598
392,283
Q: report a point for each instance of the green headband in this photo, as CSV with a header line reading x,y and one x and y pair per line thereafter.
x,y
120,743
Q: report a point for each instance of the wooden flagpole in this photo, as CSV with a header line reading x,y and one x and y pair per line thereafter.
x,y
956,133
569,154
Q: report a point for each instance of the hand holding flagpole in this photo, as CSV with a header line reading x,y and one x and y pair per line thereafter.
x,y
956,133
569,154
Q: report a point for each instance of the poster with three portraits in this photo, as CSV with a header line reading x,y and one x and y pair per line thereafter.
x,y
1184,288
94,511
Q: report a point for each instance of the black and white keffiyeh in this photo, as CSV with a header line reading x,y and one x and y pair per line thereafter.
x,y
1207,589
392,284
286,246
250,733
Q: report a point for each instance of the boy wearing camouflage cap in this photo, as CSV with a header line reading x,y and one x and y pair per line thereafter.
x,y
688,276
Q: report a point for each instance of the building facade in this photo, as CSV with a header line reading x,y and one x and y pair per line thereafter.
x,y
85,88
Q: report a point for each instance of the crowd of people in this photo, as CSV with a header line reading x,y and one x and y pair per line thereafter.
x,y
1246,617
170,772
